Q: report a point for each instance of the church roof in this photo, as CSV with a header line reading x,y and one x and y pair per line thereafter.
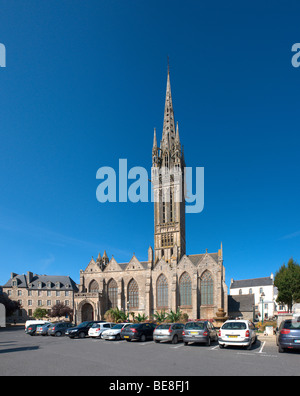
x,y
196,258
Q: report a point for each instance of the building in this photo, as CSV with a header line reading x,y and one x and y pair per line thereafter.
x,y
170,278
264,293
38,291
241,306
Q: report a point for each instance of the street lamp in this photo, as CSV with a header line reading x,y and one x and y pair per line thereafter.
x,y
262,307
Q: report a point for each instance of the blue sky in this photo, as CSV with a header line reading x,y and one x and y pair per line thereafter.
x,y
85,85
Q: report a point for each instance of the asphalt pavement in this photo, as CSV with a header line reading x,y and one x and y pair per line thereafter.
x,y
24,355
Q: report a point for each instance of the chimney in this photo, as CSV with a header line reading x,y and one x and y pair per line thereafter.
x,y
29,277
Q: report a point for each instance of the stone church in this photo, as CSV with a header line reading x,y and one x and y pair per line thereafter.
x,y
170,278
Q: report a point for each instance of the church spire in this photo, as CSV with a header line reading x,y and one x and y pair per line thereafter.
x,y
168,134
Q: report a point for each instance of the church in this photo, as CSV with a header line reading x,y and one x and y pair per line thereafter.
x,y
170,279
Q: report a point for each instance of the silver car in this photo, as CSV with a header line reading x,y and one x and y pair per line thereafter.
x,y
168,332
200,331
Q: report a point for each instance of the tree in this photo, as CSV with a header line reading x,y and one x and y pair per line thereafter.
x,y
287,281
40,313
61,310
10,305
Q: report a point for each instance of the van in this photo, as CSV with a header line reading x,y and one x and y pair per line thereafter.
x,y
31,322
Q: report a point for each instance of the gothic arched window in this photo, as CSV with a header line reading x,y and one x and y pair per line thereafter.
x,y
207,289
133,294
185,290
94,287
112,294
162,290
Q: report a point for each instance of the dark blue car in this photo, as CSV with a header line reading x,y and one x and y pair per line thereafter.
x,y
288,335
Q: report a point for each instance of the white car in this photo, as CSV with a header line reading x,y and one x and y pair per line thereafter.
x,y
97,329
237,332
114,333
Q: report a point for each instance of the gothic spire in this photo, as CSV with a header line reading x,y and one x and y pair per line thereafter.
x,y
169,124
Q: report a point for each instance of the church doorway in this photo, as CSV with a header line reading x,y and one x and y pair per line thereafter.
x,y
87,312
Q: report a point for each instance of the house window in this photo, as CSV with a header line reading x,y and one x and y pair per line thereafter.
x,y
250,291
29,303
240,292
40,303
185,290
207,289
162,291
133,294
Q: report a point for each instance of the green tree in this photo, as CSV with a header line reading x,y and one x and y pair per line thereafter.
x,y
287,281
40,313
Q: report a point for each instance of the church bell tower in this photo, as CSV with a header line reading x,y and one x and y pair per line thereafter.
x,y
168,188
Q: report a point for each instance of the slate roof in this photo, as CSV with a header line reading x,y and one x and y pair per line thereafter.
x,y
66,283
196,258
239,284
241,303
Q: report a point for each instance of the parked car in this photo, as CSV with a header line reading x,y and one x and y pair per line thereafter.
x,y
59,329
200,331
237,332
31,322
138,331
42,329
81,330
97,329
31,329
115,332
168,332
288,335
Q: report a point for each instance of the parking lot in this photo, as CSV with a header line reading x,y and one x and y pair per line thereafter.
x,y
21,354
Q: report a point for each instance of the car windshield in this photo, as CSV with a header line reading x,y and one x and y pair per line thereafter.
x,y
83,324
234,326
292,324
118,326
164,327
195,325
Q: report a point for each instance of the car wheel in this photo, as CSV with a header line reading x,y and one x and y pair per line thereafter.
x,y
280,349
58,334
143,338
118,337
128,340
81,335
248,347
157,342
221,346
175,339
208,342
186,343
